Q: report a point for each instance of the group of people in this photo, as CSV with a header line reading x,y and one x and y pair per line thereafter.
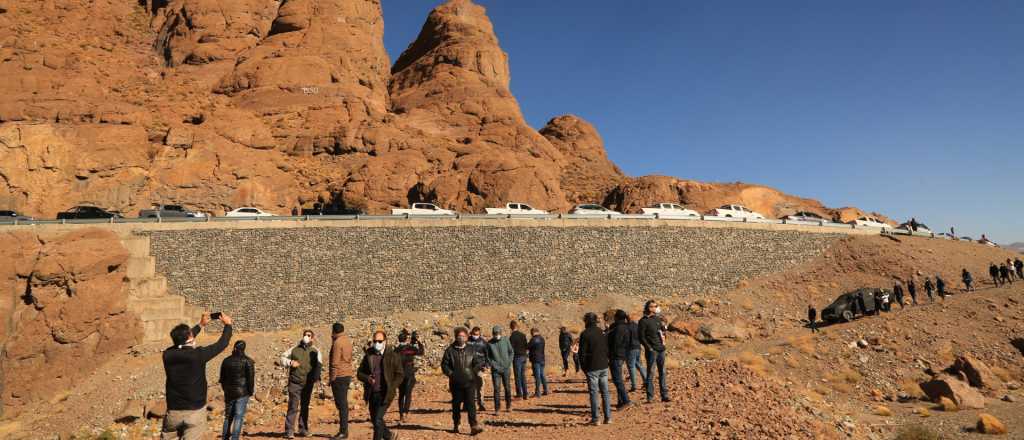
x,y
388,371
1006,273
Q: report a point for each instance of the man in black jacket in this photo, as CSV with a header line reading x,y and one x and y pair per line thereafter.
x,y
993,270
381,373
1019,266
633,358
565,349
519,355
594,362
409,350
185,368
477,342
537,359
652,337
462,365
238,380
618,351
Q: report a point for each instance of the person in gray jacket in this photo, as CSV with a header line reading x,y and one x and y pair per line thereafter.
x,y
499,356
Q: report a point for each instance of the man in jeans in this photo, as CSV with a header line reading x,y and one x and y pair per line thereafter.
x,y
409,348
339,375
185,368
238,381
462,365
536,353
652,337
565,348
633,358
381,373
593,351
499,356
477,342
304,363
519,348
618,352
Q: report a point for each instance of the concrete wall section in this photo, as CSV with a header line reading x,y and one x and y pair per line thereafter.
x,y
272,278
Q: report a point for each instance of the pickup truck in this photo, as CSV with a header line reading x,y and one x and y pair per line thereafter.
x,y
169,211
515,208
422,209
670,210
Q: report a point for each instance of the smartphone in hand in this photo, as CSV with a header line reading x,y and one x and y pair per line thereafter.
x,y
215,315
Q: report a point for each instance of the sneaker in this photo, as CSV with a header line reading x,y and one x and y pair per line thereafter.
x,y
340,436
303,433
607,421
289,435
594,423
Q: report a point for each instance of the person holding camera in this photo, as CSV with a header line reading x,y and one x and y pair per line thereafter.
x,y
185,368
340,375
408,350
304,363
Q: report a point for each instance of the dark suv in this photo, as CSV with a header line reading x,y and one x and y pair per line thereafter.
x,y
84,212
7,216
850,305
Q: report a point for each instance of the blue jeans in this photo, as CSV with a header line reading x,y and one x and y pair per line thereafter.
x,y
519,367
655,359
597,381
539,378
499,379
234,417
620,385
633,363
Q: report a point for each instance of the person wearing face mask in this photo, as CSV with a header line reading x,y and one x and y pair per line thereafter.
x,y
409,350
499,356
304,363
381,373
477,342
185,368
462,365
652,337
238,381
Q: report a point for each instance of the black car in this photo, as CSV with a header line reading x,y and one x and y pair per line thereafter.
x,y
850,305
331,210
86,212
6,216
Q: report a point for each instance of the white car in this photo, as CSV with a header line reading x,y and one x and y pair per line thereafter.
x,y
670,210
870,222
737,211
422,209
806,216
515,208
590,209
249,211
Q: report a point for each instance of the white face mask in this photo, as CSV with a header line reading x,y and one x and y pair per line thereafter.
x,y
497,337
190,343
306,340
379,346
657,310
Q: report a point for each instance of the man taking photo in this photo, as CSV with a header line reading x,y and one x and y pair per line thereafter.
x,y
185,368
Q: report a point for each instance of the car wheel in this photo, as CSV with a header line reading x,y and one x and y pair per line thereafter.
x,y
847,316
728,216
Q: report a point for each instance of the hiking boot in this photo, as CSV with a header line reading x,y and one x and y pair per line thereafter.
x,y
475,430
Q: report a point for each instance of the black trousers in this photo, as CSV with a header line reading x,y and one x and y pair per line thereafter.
x,y
464,396
405,394
340,390
378,407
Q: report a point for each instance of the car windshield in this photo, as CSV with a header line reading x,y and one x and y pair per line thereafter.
x,y
8,213
594,207
248,210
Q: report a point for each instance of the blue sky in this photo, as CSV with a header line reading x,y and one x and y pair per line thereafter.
x,y
910,108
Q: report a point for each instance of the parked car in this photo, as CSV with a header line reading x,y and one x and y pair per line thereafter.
x,y
736,211
591,209
806,216
668,210
921,227
169,211
248,211
515,208
422,209
850,305
869,222
12,216
318,209
86,212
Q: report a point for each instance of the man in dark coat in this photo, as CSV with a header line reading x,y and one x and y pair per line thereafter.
x,y
238,381
536,352
381,373
462,365
1019,266
409,348
633,358
897,293
618,354
519,343
940,286
912,290
993,270
565,349
1004,274
967,279
593,351
185,368
478,343
652,337
929,288
812,318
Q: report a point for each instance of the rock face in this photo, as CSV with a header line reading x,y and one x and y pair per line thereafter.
x,y
978,374
65,306
958,391
283,104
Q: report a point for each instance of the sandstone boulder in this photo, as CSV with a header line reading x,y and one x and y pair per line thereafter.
x,y
717,329
978,374
954,389
989,424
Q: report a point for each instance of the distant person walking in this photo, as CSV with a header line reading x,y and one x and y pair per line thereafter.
x,y
652,337
499,356
339,375
968,280
537,360
185,388
304,362
912,289
1019,266
618,353
929,288
812,318
993,270
897,293
519,343
633,358
1004,274
593,350
1012,269
462,365
477,342
238,381
565,349
409,348
940,286
381,373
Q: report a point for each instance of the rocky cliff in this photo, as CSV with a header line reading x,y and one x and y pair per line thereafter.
x,y
283,104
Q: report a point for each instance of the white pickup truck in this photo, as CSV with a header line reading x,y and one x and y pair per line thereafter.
x,y
670,210
515,208
422,209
